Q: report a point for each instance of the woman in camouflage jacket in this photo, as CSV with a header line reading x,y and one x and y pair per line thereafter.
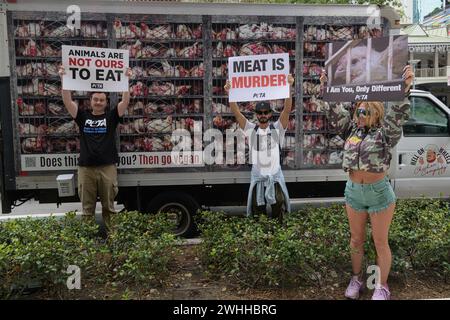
x,y
369,137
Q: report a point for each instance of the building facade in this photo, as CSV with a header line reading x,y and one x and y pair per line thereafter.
x,y
429,52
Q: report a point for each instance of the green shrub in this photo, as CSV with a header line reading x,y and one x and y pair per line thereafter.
x,y
312,246
261,252
39,251
141,246
420,236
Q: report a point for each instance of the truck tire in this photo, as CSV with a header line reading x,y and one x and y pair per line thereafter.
x,y
180,207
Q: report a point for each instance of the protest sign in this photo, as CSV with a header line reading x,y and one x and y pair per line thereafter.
x,y
260,77
366,70
95,69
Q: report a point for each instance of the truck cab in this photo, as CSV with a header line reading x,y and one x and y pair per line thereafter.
x,y
421,162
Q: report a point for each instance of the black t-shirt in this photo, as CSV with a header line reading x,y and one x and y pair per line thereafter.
x,y
98,137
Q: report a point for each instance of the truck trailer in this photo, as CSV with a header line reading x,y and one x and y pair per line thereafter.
x,y
178,54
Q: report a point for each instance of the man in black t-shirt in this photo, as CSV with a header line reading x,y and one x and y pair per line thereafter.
x,y
97,171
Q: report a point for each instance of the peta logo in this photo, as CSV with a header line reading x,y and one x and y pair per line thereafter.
x,y
95,123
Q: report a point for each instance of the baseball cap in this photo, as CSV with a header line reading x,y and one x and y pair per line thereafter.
x,y
262,105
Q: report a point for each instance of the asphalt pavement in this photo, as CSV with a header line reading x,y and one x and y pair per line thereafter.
x,y
35,209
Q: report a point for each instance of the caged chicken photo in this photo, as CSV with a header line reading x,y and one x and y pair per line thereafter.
x,y
57,30
164,58
254,32
34,145
29,47
30,109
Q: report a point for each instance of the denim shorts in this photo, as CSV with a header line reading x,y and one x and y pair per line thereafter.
x,y
370,197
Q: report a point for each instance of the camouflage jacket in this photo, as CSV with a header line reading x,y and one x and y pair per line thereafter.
x,y
369,150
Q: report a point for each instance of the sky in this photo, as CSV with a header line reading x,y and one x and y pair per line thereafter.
x,y
429,5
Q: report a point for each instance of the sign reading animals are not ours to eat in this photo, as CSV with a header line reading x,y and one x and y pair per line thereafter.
x,y
259,77
95,69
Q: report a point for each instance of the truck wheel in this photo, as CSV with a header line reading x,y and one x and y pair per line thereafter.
x,y
180,207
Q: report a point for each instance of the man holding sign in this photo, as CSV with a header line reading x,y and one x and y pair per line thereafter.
x,y
265,139
97,171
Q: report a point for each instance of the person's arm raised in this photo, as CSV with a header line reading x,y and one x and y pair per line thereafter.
x,y
284,116
70,105
398,113
123,104
240,118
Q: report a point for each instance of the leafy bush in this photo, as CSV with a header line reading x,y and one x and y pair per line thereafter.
x,y
261,252
420,236
141,247
39,251
312,246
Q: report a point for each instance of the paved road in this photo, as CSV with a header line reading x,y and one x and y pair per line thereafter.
x,y
34,208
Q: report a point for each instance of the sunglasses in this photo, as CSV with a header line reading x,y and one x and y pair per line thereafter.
x,y
363,112
263,112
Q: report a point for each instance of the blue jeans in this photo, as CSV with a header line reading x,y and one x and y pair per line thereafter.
x,y
277,208
264,187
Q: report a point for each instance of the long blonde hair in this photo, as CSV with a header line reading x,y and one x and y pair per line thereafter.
x,y
376,113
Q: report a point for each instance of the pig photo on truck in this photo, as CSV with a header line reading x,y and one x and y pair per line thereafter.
x,y
178,54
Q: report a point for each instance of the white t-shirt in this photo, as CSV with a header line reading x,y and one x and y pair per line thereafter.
x,y
265,160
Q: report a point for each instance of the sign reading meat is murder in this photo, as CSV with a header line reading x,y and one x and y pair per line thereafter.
x,y
260,77
95,69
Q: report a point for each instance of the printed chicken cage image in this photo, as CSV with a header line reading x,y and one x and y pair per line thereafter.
x,y
178,57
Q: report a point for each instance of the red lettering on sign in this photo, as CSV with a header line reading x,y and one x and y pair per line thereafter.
x,y
113,64
247,82
282,80
80,62
274,80
256,81
237,82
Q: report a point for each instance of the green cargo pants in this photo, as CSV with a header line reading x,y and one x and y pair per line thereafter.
x,y
98,181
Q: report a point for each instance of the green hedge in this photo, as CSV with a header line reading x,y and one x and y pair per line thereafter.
x,y
420,236
312,246
39,251
141,247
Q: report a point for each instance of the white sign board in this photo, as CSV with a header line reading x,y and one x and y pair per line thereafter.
x,y
95,69
127,160
260,77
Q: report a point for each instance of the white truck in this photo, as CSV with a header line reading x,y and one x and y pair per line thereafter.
x,y
178,52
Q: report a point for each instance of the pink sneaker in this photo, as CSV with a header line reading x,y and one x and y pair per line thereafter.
x,y
381,293
354,288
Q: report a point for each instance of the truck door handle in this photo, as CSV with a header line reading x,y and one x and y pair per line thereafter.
x,y
401,158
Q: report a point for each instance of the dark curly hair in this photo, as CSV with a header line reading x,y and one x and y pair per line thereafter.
x,y
94,92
